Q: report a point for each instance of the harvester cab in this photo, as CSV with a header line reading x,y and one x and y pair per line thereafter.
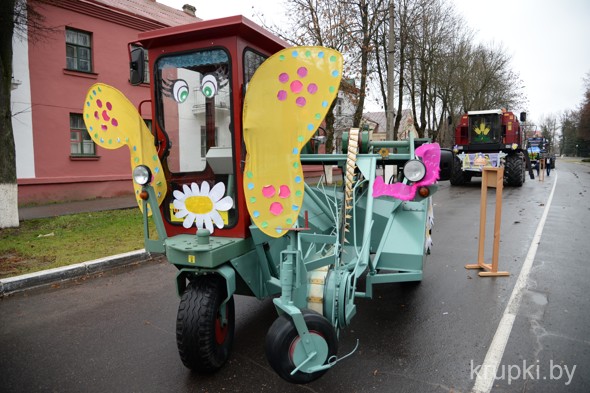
x,y
490,138
221,186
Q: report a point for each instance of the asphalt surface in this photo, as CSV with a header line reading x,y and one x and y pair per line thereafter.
x,y
117,332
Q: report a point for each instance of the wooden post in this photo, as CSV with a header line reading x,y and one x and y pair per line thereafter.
x,y
541,169
490,178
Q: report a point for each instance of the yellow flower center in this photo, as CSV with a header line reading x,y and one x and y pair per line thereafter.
x,y
198,204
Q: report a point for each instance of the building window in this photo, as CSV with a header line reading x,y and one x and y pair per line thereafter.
x,y
80,142
78,51
339,107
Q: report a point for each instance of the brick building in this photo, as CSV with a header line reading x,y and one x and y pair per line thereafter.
x,y
86,42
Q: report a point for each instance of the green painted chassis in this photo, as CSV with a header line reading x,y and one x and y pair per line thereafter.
x,y
386,241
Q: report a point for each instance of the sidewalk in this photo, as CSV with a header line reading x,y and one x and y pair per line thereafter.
x,y
61,209
45,278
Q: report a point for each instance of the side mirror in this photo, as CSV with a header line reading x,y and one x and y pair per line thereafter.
x,y
523,116
136,68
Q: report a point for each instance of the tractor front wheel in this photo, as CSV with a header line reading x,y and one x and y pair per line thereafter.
x,y
514,170
204,338
458,176
284,349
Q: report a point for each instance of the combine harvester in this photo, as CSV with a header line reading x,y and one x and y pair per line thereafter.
x,y
490,138
220,180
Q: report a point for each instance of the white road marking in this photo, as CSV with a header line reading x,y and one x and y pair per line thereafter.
x,y
485,379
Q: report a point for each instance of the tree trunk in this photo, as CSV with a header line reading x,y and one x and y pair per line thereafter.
x,y
330,120
390,65
8,184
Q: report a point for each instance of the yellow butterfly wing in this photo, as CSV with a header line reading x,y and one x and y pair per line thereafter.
x,y
285,103
112,122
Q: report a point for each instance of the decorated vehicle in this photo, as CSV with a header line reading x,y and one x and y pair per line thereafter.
x,y
490,138
538,148
221,187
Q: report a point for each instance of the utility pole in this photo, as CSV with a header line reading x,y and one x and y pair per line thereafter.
x,y
390,87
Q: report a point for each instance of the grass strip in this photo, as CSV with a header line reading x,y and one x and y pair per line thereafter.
x,y
64,240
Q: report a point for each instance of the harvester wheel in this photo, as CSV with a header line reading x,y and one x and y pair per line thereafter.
x,y
203,341
458,176
514,170
282,341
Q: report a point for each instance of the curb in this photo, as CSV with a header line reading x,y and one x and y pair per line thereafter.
x,y
12,285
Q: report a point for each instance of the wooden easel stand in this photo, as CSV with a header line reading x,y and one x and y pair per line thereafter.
x,y
492,178
542,169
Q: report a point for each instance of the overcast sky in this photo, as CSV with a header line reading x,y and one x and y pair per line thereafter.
x,y
548,40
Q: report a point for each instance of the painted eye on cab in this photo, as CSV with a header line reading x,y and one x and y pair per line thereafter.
x,y
209,86
180,91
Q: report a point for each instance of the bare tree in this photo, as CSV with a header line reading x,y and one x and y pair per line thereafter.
x,y
20,19
549,127
569,132
368,16
584,123
323,23
438,71
8,185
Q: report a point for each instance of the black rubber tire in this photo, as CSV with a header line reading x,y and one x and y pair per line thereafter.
x,y
203,344
283,334
458,177
514,170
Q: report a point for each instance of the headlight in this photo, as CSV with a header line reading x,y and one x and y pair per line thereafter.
x,y
142,175
414,170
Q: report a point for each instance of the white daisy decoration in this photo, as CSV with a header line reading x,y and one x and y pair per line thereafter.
x,y
202,206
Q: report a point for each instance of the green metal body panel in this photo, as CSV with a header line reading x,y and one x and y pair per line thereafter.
x,y
183,250
224,271
255,275
385,241
403,248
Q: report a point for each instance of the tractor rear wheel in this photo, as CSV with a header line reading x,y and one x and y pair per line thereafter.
x,y
204,341
283,345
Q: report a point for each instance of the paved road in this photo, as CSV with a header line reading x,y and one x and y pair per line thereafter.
x,y
116,333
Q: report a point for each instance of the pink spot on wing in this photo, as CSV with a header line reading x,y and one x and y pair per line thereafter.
x,y
282,95
276,208
300,101
109,106
284,77
99,103
296,87
105,116
312,88
96,115
284,191
114,122
104,127
302,72
268,191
